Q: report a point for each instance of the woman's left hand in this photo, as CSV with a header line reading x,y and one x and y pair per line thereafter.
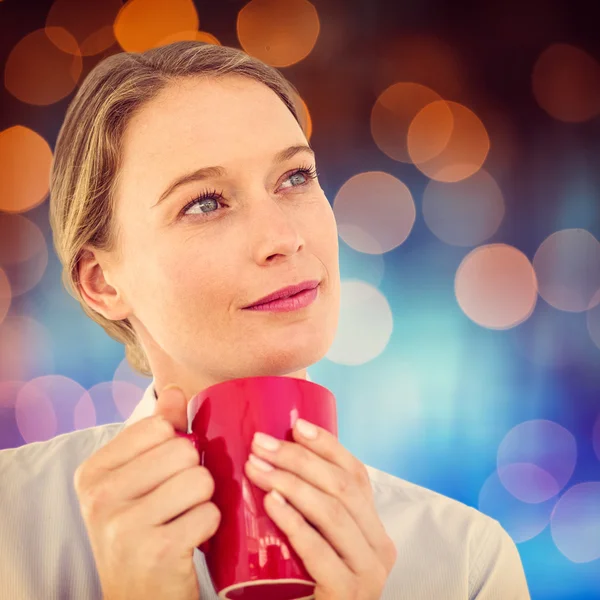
x,y
329,517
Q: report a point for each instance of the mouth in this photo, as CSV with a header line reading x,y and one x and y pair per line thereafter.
x,y
288,298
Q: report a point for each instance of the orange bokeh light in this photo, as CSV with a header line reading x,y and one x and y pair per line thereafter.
x,y
392,114
25,161
496,286
38,72
144,24
90,23
566,83
23,252
303,115
5,295
421,58
192,36
447,141
278,33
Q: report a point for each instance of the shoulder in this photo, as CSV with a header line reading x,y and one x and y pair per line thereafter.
x,y
424,523
43,540
40,462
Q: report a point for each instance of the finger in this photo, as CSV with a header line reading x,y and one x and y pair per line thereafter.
x,y
320,559
327,446
130,443
333,480
172,405
323,511
151,469
184,490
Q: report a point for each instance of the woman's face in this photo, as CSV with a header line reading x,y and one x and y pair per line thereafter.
x,y
184,274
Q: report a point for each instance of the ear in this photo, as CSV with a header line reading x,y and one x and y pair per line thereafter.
x,y
97,288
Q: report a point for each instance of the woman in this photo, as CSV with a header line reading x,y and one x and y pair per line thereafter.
x,y
184,190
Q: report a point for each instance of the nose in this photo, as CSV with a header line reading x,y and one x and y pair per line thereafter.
x,y
274,231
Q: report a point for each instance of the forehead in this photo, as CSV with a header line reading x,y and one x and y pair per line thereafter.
x,y
201,121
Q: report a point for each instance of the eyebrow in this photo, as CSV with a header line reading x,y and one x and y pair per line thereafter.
x,y
218,171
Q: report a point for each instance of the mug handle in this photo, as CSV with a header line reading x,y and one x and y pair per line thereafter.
x,y
204,547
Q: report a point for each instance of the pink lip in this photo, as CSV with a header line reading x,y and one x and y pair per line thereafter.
x,y
289,298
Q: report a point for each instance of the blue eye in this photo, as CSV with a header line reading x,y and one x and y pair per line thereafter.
x,y
215,197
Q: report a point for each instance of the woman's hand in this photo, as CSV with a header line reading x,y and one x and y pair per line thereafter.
x,y
349,554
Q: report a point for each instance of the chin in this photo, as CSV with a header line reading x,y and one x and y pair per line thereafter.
x,y
287,358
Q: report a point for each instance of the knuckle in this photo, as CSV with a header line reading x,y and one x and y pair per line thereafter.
x,y
391,552
162,547
342,484
361,475
296,525
79,478
97,497
335,513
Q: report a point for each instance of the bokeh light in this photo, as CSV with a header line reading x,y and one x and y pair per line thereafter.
x,y
144,24
423,58
566,83
117,399
593,319
84,413
194,36
23,252
521,520
50,405
365,324
596,437
555,339
126,396
393,112
25,348
496,287
447,141
379,205
278,33
38,72
567,265
5,295
464,213
536,460
303,115
35,415
124,372
90,23
25,160
575,522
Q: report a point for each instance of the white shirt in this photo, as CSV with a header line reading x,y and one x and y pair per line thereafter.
x,y
446,549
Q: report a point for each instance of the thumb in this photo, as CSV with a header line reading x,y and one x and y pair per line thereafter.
x,y
172,405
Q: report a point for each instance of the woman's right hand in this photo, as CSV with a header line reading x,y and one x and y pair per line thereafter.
x,y
144,499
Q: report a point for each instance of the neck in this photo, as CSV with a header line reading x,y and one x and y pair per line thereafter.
x,y
191,391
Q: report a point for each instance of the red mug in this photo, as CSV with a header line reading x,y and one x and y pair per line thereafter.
x,y
249,557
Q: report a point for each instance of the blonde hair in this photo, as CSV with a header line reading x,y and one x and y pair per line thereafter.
x,y
86,157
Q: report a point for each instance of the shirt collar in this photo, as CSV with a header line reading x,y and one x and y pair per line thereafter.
x,y
145,407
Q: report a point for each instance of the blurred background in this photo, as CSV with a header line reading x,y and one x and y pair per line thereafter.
x,y
458,144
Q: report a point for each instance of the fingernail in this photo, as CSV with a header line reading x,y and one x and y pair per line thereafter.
x,y
308,430
259,463
170,386
265,441
278,497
